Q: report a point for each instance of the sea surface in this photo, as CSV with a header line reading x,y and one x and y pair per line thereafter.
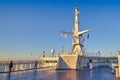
x,y
99,73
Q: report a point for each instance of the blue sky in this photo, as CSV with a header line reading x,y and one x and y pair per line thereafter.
x,y
31,26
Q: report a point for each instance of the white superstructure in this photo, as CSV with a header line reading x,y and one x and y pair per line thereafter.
x,y
76,59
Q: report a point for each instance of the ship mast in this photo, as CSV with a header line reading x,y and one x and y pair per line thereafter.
x,y
76,48
76,42
76,34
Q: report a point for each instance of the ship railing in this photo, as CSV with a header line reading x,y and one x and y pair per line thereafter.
x,y
101,64
19,66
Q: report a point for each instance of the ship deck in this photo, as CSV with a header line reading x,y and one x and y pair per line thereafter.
x,y
101,73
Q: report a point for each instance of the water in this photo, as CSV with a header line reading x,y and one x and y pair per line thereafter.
x,y
101,73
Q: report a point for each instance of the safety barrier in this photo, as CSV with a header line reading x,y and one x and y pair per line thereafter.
x,y
19,66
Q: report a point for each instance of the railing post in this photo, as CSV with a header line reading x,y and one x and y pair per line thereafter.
x,y
5,68
30,66
25,66
21,67
38,66
16,67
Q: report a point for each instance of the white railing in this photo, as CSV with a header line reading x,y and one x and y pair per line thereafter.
x,y
99,64
19,66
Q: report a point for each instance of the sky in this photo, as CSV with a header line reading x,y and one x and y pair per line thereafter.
x,y
32,26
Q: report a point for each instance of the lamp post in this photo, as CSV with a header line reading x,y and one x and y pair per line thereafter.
x,y
53,51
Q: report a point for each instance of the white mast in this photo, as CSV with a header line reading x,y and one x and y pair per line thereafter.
x,y
76,44
76,49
